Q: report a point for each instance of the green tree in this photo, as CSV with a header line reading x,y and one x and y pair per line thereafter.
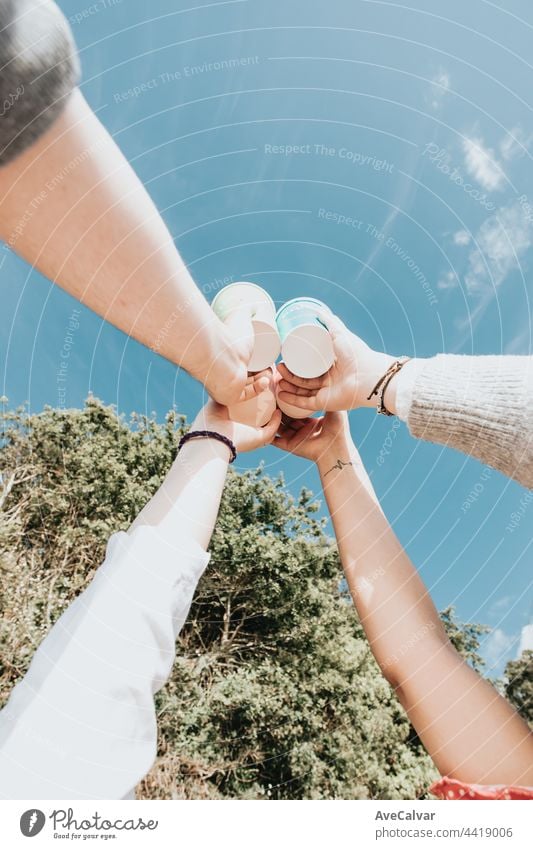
x,y
465,637
518,684
275,693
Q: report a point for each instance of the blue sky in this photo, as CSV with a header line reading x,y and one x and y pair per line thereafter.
x,y
373,154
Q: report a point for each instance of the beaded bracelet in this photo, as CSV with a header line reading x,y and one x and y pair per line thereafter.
x,y
383,382
209,434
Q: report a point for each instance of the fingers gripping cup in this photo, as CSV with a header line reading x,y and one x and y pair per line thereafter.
x,y
267,344
306,344
293,412
257,411
287,409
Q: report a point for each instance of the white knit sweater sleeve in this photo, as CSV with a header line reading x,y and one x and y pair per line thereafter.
x,y
482,406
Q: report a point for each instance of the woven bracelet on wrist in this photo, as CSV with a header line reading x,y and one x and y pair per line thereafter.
x,y
383,382
209,434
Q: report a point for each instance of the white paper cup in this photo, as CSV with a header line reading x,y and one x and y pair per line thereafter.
x,y
306,344
258,411
267,343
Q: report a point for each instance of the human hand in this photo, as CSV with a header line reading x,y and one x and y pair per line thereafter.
x,y
255,384
316,439
349,381
227,379
327,442
215,417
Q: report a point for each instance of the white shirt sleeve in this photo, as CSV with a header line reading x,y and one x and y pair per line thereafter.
x,y
82,724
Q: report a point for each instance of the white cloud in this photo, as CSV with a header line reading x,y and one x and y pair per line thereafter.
x,y
462,237
448,281
501,604
440,86
442,80
482,164
496,649
501,242
526,639
513,144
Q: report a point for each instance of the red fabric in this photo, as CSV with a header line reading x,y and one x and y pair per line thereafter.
x,y
448,788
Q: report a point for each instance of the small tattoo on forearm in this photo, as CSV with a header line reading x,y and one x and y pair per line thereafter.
x,y
338,465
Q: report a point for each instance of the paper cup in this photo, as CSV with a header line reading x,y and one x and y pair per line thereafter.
x,y
258,410
267,343
306,344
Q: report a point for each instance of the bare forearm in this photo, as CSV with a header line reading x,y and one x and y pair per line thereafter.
x,y
188,501
470,731
387,591
72,206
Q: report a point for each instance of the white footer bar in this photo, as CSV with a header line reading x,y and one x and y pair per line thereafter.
x,y
267,825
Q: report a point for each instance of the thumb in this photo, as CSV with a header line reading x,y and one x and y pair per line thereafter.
x,y
335,326
256,385
270,430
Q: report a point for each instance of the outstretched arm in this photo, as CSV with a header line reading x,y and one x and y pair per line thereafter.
x,y
82,723
469,730
482,406
73,207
